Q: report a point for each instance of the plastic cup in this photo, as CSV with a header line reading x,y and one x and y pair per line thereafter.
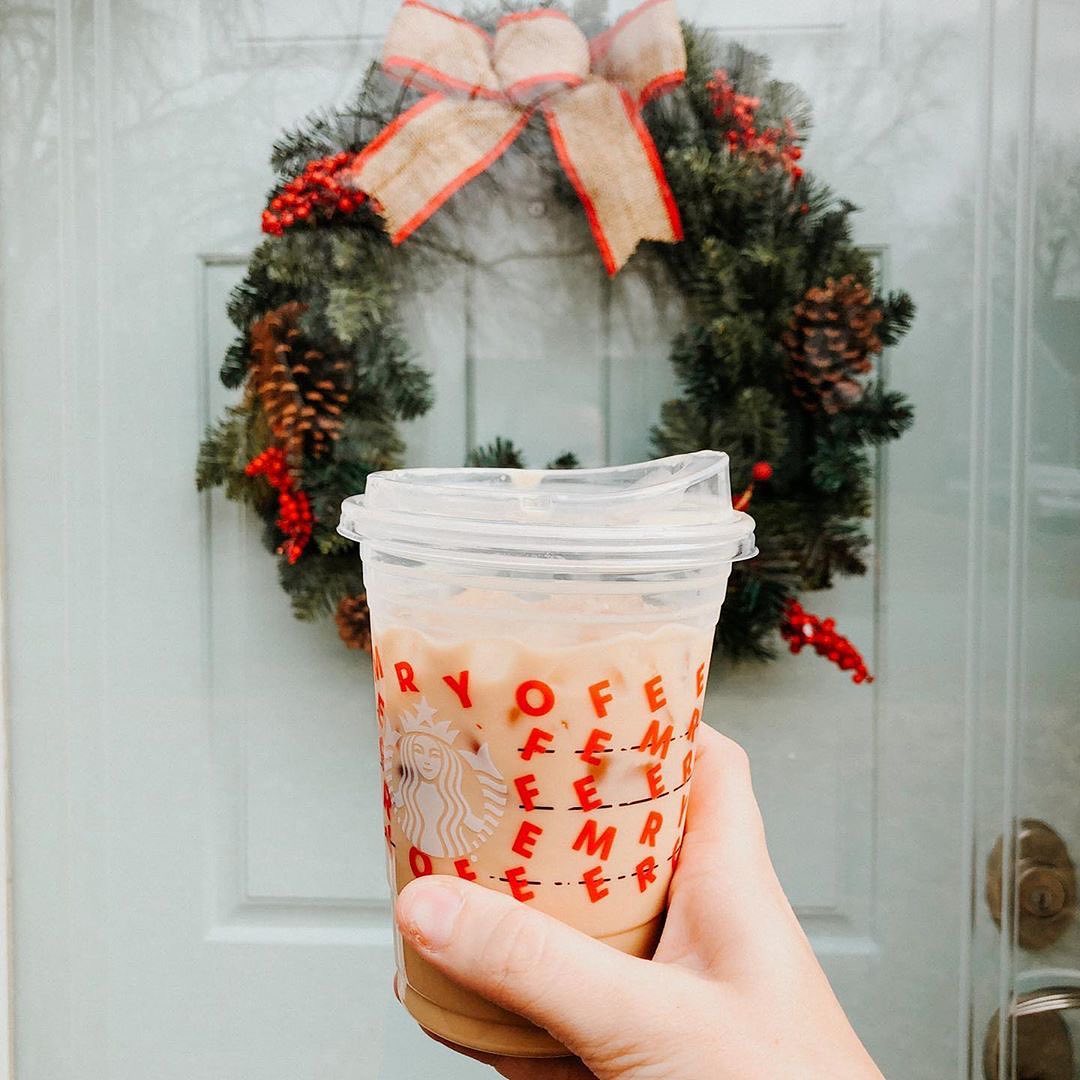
x,y
541,643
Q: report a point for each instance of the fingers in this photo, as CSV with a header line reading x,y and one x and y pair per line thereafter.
x,y
592,998
723,818
725,889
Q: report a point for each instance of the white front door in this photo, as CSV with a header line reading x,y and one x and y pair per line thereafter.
x,y
198,887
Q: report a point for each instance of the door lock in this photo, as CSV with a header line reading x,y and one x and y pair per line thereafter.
x,y
1045,884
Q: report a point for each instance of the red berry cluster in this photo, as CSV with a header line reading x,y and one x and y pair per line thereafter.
x,y
772,146
798,628
294,519
317,190
760,473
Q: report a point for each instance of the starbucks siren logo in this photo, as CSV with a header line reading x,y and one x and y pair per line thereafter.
x,y
448,800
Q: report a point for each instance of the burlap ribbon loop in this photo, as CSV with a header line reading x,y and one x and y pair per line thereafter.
x,y
483,90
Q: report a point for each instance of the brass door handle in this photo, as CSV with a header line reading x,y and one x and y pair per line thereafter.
x,y
1039,1044
1045,882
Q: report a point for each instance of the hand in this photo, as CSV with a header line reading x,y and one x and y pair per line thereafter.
x,y
733,991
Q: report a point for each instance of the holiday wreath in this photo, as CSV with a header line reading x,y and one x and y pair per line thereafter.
x,y
661,134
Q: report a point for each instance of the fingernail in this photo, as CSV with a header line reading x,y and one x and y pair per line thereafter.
x,y
428,912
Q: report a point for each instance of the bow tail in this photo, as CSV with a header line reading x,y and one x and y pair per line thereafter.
x,y
611,160
430,151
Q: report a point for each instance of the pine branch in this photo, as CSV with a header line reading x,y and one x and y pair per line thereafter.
x,y
881,415
500,454
898,313
568,460
316,584
234,367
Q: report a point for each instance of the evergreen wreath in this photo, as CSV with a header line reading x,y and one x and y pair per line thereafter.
x,y
775,360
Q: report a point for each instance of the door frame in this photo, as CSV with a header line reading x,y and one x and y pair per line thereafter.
x,y
7,1013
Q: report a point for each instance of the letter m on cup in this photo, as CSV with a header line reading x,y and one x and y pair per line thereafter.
x,y
654,741
594,842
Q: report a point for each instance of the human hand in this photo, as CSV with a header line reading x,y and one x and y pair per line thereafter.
x,y
734,990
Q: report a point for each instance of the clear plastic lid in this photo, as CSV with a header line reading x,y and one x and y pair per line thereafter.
x,y
672,512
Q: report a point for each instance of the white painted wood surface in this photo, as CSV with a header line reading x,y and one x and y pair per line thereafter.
x,y
198,890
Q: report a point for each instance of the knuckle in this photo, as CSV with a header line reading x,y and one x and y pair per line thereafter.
x,y
735,758
514,951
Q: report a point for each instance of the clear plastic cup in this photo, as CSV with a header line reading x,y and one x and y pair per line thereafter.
x,y
541,643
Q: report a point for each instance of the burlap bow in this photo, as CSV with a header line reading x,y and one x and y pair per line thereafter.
x,y
484,89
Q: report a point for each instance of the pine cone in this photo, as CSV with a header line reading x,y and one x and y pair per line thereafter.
x,y
830,339
354,622
302,390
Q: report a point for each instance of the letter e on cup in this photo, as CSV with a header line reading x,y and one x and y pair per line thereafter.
x,y
654,693
518,885
594,884
594,745
464,870
526,839
654,775
586,793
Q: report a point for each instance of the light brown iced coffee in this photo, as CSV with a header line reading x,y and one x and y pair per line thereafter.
x,y
538,709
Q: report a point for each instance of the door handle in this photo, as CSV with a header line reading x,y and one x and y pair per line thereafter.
x,y
1045,882
1040,1046
1052,999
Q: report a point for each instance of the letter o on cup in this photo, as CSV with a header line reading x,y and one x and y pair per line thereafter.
x,y
527,694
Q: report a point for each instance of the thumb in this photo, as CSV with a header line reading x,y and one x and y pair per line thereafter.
x,y
591,997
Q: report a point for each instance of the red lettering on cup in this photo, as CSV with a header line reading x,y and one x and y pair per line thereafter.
x,y
594,883
387,802
676,854
645,871
599,698
420,863
376,659
386,833
654,693
526,790
586,793
460,686
594,843
518,885
700,680
695,719
526,839
406,677
534,744
655,742
594,744
656,781
652,827
547,697
687,766
682,813
380,707
464,870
